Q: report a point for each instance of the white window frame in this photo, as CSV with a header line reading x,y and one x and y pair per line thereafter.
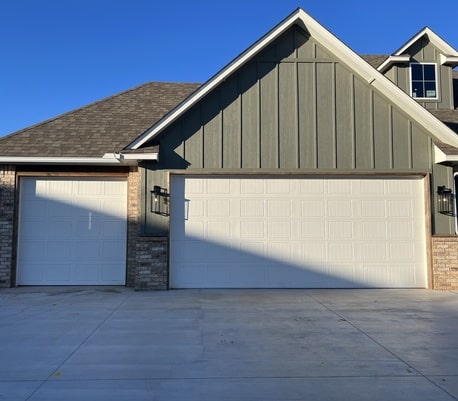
x,y
436,80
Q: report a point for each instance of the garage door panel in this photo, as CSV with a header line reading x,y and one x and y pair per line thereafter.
x,y
402,251
69,228
87,272
111,249
252,229
251,251
56,273
401,230
288,231
340,230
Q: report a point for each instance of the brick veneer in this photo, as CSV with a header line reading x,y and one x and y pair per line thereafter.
x,y
445,262
7,201
146,256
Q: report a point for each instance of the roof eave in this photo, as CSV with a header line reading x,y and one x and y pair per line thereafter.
x,y
391,60
441,157
138,156
449,60
106,160
440,43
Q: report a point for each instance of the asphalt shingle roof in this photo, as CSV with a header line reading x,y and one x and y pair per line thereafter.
x,y
98,128
374,60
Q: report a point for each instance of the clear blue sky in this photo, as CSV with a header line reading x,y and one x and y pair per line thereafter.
x,y
60,55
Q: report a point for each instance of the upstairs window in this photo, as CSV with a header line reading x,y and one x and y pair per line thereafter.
x,y
423,81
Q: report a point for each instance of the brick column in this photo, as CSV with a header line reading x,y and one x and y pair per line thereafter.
x,y
445,262
7,202
133,219
147,263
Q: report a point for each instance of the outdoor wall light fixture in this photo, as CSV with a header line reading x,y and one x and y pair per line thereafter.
x,y
160,201
444,200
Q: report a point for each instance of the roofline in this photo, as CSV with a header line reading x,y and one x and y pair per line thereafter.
x,y
440,156
433,37
299,16
403,58
107,160
138,156
368,73
449,60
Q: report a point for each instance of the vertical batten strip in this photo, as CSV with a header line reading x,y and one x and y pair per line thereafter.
x,y
390,136
372,128
277,111
259,113
240,113
315,114
297,111
410,144
334,112
353,118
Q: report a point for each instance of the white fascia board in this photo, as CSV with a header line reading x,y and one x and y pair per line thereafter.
x,y
139,156
440,156
451,60
393,60
435,39
110,160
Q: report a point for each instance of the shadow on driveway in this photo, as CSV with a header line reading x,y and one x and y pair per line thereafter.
x,y
111,343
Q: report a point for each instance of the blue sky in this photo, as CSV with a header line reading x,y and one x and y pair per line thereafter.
x,y
60,55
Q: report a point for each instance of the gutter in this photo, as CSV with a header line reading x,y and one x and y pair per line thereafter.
x,y
108,159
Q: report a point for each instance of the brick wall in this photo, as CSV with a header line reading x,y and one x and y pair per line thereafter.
x,y
7,201
151,268
133,216
445,262
147,263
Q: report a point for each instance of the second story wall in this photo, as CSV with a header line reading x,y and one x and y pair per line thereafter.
x,y
423,51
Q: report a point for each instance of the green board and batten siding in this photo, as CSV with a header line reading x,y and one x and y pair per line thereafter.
x,y
292,108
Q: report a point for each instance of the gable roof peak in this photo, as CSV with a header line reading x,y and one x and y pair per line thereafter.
x,y
444,47
341,51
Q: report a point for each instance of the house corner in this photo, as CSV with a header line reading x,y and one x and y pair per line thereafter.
x,y
7,204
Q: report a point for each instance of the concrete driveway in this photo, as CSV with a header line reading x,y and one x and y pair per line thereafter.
x,y
116,344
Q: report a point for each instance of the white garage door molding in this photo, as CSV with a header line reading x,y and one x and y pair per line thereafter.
x,y
288,232
72,231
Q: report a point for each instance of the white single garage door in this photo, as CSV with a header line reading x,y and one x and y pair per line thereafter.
x,y
72,231
252,232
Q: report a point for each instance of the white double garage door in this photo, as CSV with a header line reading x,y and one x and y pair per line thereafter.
x,y
295,232
231,232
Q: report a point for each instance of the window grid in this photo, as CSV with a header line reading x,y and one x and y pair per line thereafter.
x,y
423,81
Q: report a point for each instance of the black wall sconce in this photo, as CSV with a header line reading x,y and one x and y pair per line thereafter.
x,y
444,200
160,200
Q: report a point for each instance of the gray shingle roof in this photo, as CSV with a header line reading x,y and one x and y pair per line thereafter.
x,y
101,127
374,60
